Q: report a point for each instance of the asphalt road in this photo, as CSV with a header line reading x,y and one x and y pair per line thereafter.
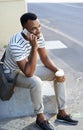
x,y
66,18
63,22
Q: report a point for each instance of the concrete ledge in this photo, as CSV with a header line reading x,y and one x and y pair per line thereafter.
x,y
20,104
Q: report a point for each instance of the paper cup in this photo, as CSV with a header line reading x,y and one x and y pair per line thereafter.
x,y
59,75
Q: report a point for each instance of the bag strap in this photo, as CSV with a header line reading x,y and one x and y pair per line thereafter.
x,y
3,57
15,78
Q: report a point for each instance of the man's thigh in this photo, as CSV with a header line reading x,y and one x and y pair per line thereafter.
x,y
27,82
44,73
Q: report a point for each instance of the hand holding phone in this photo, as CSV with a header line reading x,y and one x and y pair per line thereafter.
x,y
25,32
30,37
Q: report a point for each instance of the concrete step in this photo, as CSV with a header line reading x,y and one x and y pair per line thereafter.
x,y
20,103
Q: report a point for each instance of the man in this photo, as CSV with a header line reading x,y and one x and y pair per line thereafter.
x,y
21,56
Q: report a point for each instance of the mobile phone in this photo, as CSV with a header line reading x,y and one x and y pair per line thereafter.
x,y
25,32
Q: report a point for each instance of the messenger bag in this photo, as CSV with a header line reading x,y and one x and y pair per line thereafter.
x,y
6,87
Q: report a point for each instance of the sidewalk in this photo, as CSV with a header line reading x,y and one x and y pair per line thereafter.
x,y
28,123
75,107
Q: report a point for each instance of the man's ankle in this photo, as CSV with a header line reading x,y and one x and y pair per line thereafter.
x,y
62,112
41,117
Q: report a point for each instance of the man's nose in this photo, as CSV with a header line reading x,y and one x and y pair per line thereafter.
x,y
38,30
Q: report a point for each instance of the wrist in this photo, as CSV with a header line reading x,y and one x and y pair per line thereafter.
x,y
34,48
59,71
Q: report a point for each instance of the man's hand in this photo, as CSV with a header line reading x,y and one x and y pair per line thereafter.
x,y
33,40
60,79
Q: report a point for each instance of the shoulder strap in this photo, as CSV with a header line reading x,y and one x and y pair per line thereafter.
x,y
2,59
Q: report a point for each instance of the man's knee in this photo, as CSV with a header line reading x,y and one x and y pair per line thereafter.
x,y
37,83
59,84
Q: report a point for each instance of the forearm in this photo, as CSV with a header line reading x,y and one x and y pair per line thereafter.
x,y
31,64
50,65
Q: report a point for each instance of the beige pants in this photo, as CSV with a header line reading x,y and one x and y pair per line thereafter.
x,y
35,85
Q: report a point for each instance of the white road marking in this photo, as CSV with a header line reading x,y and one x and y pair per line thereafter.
x,y
63,34
53,1
73,6
45,21
80,115
55,45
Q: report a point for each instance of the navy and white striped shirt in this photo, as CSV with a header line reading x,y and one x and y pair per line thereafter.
x,y
18,49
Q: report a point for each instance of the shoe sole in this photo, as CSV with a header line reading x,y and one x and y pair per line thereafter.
x,y
42,129
39,127
71,123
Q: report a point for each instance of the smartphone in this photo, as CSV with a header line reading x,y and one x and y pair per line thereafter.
x,y
25,32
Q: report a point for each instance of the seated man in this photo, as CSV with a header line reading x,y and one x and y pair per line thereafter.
x,y
21,56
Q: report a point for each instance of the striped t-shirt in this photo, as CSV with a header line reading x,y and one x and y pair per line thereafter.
x,y
18,49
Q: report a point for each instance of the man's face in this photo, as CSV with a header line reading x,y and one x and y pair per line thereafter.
x,y
34,27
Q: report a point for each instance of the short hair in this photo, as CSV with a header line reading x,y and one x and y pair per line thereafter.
x,y
27,16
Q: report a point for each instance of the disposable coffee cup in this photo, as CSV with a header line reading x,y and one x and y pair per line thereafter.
x,y
59,75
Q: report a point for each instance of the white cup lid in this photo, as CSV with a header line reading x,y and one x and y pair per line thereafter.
x,y
59,73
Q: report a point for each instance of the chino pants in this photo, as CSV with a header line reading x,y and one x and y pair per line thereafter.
x,y
35,83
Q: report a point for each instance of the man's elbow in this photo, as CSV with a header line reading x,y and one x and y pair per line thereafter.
x,y
29,74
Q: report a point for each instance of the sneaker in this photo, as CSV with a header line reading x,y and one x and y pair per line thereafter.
x,y
67,119
45,125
